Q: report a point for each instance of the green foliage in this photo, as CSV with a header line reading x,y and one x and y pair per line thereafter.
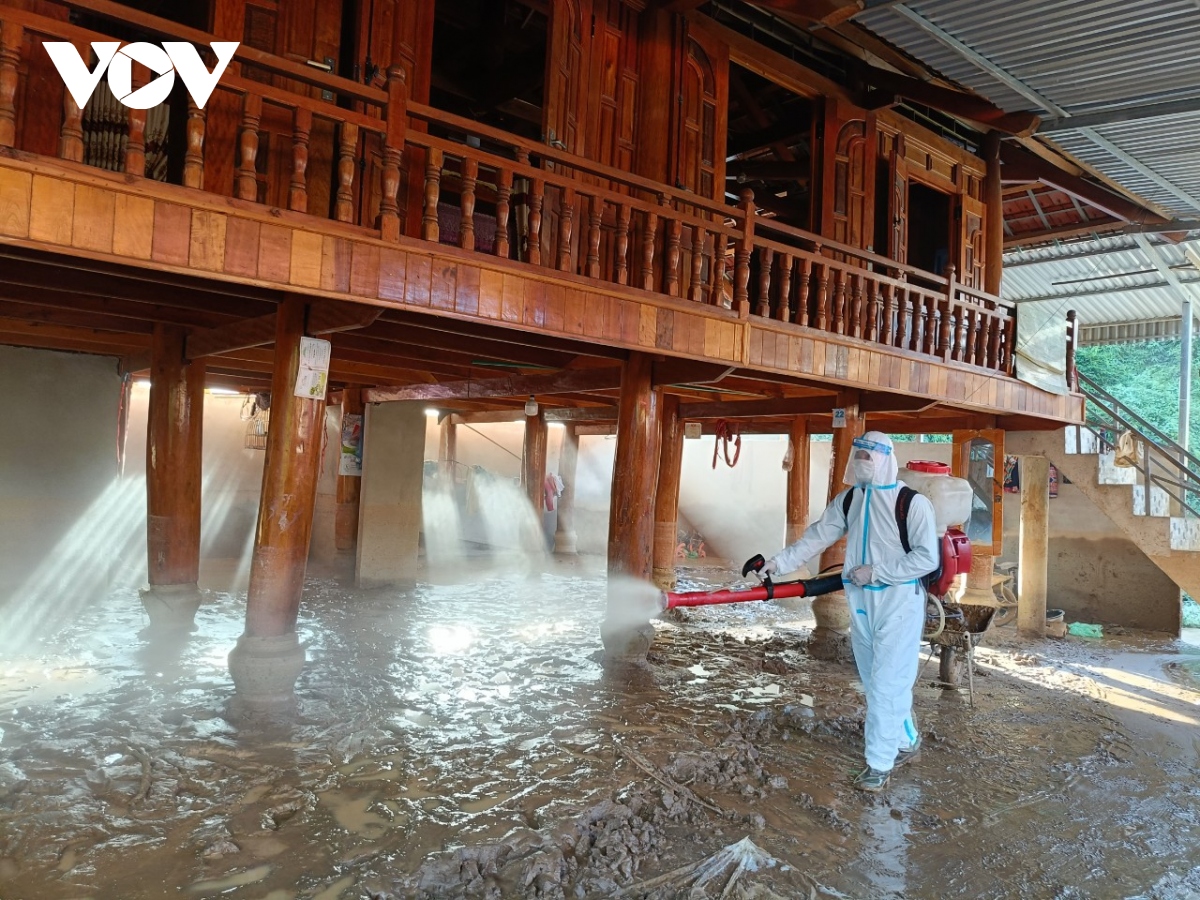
x,y
1145,375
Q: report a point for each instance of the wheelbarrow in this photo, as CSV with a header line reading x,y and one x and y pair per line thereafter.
x,y
955,630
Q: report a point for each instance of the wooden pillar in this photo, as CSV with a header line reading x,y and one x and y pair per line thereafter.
x,y
349,487
979,590
626,632
533,461
173,475
1034,545
390,515
565,539
447,448
993,258
797,481
268,657
666,503
830,639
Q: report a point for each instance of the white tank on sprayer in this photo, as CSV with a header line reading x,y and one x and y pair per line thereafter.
x,y
951,497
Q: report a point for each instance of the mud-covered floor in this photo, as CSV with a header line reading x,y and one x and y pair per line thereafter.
x,y
463,740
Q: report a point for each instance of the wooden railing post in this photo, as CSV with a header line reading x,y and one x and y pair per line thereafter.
x,y
648,237
695,288
673,232
298,189
11,37
70,141
193,156
741,257
889,310
803,291
566,229
716,287
344,199
859,306
466,203
995,325
393,151
766,258
822,296
135,145
839,301
595,215
783,310
621,251
929,324
247,175
433,188
504,180
536,199
1072,344
948,337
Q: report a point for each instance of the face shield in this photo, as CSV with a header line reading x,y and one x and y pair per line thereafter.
x,y
872,461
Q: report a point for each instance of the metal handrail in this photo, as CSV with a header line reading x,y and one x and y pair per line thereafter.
x,y
1178,466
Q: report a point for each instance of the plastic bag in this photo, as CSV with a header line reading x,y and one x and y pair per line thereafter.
x,y
1127,455
1085,630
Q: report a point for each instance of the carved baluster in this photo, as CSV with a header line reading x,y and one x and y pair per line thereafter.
x,y
889,312
247,175
298,190
70,141
970,317
858,308
595,216
995,324
802,293
193,156
430,229
872,305
135,145
839,301
783,310
621,250
822,296
1010,336
766,258
947,332
343,207
673,232
928,323
903,328
536,199
393,150
12,36
741,260
695,288
648,238
503,200
566,227
466,199
716,287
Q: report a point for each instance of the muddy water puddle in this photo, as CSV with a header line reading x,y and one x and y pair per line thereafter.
x,y
463,740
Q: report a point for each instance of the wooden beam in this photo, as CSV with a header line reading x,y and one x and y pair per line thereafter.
x,y
752,409
882,403
111,306
1056,234
53,315
329,316
517,386
553,414
675,372
241,335
949,100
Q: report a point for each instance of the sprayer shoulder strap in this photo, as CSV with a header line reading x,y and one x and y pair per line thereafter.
x,y
903,501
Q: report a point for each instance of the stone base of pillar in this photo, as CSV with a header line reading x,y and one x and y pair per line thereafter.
x,y
664,578
830,640
171,605
979,590
265,669
566,543
625,643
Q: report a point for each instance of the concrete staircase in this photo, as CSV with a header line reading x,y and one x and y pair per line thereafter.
x,y
1171,542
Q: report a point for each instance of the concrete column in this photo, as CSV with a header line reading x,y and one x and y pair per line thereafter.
x,y
533,462
389,528
173,476
268,656
830,639
1034,545
348,486
626,631
797,482
666,504
565,539
979,590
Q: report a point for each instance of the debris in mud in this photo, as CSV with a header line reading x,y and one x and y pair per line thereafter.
x,y
744,856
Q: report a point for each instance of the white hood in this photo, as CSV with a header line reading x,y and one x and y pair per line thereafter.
x,y
883,455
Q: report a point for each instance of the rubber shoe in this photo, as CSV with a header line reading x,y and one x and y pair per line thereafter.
x,y
872,780
906,756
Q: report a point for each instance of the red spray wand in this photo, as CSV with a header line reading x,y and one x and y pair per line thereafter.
x,y
768,590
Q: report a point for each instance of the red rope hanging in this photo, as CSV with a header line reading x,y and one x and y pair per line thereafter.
x,y
725,431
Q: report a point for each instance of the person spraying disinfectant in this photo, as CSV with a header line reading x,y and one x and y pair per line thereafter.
x,y
884,592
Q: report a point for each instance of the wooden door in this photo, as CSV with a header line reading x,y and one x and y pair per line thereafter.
x,y
566,75
700,125
898,202
967,230
613,84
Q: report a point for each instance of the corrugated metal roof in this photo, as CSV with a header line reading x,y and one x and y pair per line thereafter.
x,y
1105,281
1078,58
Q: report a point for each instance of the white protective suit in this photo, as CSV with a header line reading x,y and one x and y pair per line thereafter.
x,y
886,616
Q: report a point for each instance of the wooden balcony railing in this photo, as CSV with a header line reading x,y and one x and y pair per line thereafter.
x,y
398,167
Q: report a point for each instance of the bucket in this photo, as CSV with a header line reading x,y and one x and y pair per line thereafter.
x,y
1056,625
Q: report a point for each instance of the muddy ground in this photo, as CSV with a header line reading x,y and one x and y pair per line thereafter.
x,y
462,740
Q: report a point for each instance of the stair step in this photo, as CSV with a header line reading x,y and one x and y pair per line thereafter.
x,y
1185,533
1087,443
1110,473
1160,501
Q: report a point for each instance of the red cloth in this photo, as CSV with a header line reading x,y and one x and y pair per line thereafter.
x,y
550,489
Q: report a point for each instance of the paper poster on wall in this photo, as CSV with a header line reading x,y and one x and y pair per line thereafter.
x,y
352,446
839,418
313,374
